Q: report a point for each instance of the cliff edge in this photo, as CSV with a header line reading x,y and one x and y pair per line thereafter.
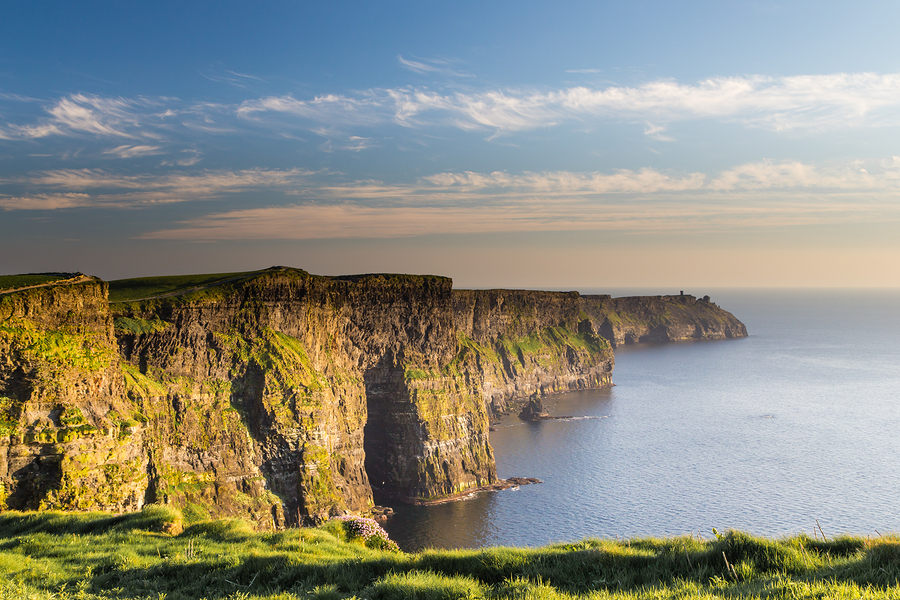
x,y
287,397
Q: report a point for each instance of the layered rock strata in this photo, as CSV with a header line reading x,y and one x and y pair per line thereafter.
x,y
287,397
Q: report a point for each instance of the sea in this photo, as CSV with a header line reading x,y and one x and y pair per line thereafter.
x,y
793,429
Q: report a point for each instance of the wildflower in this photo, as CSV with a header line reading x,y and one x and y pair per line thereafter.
x,y
367,530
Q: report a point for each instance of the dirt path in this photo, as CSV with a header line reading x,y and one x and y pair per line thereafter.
x,y
72,281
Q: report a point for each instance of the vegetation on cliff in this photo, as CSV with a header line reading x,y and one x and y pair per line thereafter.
x,y
285,397
159,553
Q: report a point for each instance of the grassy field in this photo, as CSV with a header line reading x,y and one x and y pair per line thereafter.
x,y
11,282
126,290
139,556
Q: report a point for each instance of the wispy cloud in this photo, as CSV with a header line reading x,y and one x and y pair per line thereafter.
x,y
332,109
431,65
245,75
45,201
458,190
811,102
67,188
880,176
318,221
28,132
644,181
241,80
187,158
656,132
127,151
762,194
354,143
785,103
91,114
83,114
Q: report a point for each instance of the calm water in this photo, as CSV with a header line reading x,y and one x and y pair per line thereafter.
x,y
798,422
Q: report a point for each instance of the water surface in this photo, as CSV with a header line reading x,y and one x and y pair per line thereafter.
x,y
766,434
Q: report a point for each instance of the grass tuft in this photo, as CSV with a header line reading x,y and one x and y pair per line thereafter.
x,y
220,530
425,586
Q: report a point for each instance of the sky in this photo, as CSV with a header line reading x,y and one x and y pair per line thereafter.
x,y
677,145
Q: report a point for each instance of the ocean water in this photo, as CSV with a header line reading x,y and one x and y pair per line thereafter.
x,y
798,422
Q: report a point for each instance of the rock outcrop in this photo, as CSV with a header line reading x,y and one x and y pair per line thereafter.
x,y
287,397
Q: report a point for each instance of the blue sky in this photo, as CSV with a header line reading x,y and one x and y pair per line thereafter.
x,y
589,145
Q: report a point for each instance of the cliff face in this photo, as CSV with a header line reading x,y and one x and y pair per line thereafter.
x,y
284,396
64,440
529,342
317,371
642,319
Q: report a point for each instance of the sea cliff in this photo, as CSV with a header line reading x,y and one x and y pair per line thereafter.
x,y
287,397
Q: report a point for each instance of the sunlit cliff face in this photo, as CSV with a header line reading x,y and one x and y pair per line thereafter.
x,y
287,397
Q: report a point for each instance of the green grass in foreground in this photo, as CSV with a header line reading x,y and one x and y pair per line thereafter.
x,y
125,290
96,556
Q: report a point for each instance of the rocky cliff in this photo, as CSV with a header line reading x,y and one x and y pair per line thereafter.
x,y
287,397
529,342
65,422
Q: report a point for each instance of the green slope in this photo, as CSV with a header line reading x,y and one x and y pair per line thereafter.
x,y
141,556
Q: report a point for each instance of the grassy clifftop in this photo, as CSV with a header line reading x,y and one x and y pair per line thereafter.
x,y
13,282
143,556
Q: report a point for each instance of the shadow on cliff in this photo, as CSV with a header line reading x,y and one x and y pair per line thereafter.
x,y
385,435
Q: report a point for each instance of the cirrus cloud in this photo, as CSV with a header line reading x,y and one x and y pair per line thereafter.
x,y
804,102
776,103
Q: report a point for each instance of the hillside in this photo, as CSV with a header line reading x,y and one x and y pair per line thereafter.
x,y
155,554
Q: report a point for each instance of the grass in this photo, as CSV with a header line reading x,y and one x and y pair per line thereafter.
x,y
129,290
11,282
142,556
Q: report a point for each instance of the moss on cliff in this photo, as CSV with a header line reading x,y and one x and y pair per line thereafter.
x,y
286,359
126,325
10,413
56,351
469,347
553,341
88,486
138,385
